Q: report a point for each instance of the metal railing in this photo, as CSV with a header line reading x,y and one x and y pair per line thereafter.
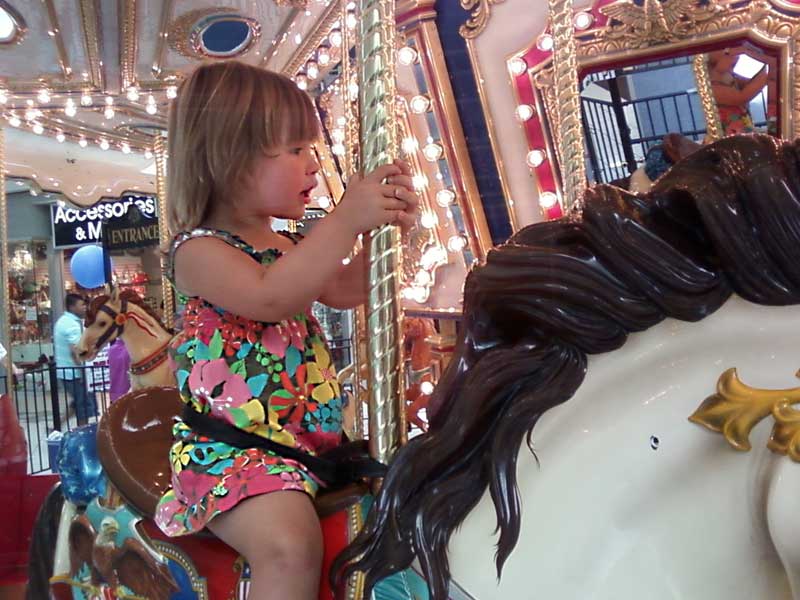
x,y
620,133
48,398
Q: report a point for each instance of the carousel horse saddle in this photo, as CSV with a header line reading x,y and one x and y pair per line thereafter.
x,y
133,441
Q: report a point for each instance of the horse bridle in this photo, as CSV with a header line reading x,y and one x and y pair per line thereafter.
x,y
117,323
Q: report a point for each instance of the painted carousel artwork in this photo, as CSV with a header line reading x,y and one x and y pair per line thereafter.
x,y
615,415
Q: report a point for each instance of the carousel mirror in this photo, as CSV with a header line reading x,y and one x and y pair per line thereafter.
x,y
642,118
649,94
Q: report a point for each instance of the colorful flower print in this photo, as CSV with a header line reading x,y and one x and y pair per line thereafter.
x,y
204,382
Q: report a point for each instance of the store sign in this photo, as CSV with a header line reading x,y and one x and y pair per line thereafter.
x,y
73,227
134,230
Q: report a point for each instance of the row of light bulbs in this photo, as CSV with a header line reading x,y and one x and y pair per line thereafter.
x,y
524,112
61,137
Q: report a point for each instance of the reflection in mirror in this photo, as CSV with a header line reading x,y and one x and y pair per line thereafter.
x,y
641,119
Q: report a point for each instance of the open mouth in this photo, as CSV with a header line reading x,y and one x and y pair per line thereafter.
x,y
306,193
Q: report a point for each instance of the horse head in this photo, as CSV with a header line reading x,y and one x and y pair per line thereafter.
x,y
723,220
100,325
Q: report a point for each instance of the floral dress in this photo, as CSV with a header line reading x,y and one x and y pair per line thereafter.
x,y
275,380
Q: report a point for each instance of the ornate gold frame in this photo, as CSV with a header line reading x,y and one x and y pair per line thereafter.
x,y
635,34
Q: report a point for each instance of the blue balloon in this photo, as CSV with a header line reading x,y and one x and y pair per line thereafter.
x,y
87,267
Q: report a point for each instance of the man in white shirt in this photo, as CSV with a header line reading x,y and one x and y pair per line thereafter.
x,y
66,334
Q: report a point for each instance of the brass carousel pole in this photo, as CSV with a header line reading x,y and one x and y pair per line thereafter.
x,y
160,153
570,126
4,266
378,147
707,100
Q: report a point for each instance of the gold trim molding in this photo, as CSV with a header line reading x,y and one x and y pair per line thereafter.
x,y
128,39
737,407
93,41
478,18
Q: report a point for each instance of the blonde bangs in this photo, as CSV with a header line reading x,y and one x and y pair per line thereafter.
x,y
227,114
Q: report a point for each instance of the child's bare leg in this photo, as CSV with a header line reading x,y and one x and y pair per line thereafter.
x,y
280,536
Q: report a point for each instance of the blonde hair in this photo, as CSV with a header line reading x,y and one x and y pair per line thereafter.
x,y
226,115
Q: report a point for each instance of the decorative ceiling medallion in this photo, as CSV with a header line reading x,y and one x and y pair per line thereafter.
x,y
213,33
12,25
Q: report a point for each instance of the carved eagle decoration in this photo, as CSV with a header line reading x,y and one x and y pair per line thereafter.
x,y
653,17
130,564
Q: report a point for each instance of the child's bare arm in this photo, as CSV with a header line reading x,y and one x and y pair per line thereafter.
x,y
227,278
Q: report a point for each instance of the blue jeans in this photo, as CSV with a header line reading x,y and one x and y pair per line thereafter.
x,y
82,400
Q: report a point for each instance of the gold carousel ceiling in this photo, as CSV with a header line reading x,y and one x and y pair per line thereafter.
x,y
88,82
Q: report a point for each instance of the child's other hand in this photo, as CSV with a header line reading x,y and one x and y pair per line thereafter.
x,y
369,203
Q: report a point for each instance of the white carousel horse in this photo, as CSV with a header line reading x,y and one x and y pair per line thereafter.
x,y
123,314
631,500
596,338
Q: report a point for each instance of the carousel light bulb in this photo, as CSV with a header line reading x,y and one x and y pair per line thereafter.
x,y
43,96
133,94
410,145
3,97
323,56
31,114
545,42
548,200
419,104
172,92
535,158
407,55
337,135
335,38
69,108
445,198
351,21
109,100
407,293
298,39
60,137
38,129
422,277
517,65
108,113
456,243
428,219
420,295
432,152
312,70
338,149
301,81
324,201
524,112
104,144
86,99
151,107
583,20
148,155
352,89
341,121
426,387
126,149
419,181
433,256
82,143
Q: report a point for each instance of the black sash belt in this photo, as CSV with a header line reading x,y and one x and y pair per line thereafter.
x,y
347,463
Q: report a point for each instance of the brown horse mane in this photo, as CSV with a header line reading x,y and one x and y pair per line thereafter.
x,y
724,220
129,295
